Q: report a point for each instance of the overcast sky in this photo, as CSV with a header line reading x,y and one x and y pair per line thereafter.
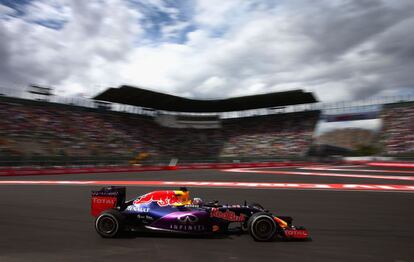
x,y
341,50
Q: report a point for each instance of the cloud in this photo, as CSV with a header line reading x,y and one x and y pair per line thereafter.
x,y
95,35
341,50
49,13
6,11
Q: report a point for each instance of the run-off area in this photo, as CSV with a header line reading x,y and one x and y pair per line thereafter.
x,y
320,177
47,218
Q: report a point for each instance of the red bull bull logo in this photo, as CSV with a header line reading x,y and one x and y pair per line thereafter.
x,y
163,198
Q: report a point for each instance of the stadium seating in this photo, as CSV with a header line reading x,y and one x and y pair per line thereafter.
x,y
46,129
275,135
398,128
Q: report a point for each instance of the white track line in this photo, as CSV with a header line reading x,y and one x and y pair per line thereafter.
x,y
358,170
274,172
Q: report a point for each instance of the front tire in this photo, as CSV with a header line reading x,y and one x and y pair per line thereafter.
x,y
109,224
245,225
262,227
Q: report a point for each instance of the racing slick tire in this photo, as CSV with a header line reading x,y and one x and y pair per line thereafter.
x,y
109,224
245,225
262,227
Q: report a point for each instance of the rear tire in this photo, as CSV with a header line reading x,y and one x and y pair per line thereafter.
x,y
109,224
262,227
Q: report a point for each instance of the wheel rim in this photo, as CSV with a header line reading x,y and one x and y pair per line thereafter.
x,y
263,228
107,225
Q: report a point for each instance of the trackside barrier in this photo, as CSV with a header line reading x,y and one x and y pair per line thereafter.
x,y
89,170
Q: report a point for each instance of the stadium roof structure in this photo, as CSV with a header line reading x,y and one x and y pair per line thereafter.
x,y
134,96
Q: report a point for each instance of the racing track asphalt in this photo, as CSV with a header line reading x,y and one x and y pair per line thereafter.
x,y
52,223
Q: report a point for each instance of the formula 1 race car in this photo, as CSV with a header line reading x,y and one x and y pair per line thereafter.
x,y
173,211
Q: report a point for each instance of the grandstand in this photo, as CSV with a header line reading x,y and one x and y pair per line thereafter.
x,y
398,129
37,131
154,128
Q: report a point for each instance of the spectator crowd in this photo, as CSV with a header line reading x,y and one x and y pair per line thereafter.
x,y
398,128
46,129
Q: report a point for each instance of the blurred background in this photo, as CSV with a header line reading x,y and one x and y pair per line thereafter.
x,y
41,129
220,81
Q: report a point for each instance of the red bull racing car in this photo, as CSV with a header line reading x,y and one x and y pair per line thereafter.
x,y
173,211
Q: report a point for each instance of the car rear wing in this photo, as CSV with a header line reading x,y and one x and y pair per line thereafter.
x,y
107,198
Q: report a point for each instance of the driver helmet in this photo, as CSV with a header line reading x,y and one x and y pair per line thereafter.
x,y
183,197
198,201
